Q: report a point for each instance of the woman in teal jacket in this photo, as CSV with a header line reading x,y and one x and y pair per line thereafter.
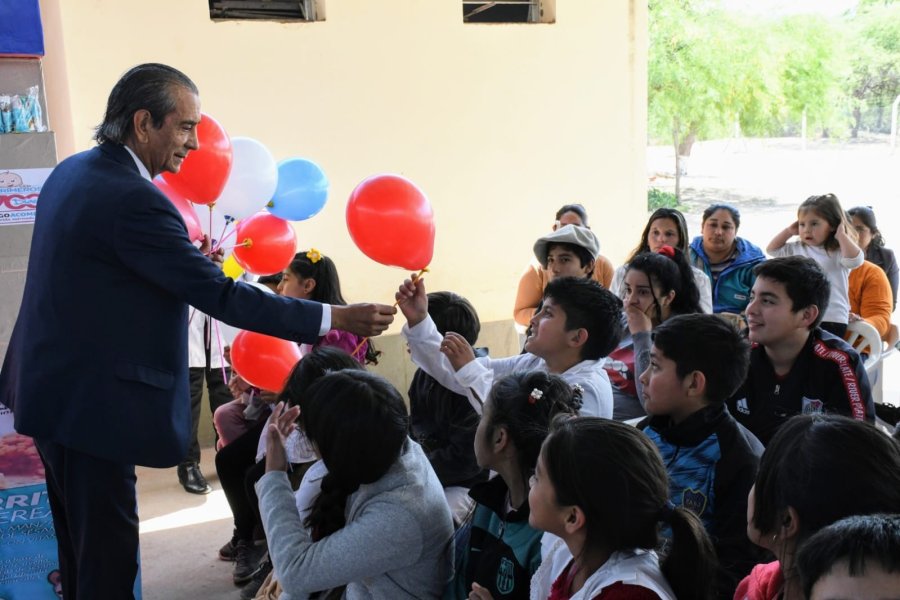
x,y
726,259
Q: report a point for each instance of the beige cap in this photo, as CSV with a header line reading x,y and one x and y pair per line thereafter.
x,y
567,234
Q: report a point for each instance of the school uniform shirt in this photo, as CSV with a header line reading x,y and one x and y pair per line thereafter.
x,y
474,380
827,377
625,574
712,462
498,549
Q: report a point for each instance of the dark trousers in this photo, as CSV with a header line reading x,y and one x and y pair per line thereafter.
x,y
234,464
95,516
219,394
838,329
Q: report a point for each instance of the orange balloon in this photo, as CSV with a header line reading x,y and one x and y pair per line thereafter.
x,y
391,221
266,244
262,360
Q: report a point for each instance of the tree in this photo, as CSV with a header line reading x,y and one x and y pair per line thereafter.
x,y
874,45
705,73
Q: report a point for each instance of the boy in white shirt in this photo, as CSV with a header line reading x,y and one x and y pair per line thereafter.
x,y
578,325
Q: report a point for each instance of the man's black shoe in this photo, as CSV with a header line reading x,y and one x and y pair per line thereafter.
x,y
193,481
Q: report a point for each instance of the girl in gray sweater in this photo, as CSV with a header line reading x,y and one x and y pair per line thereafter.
x,y
380,527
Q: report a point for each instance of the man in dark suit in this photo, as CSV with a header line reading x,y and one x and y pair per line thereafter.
x,y
96,370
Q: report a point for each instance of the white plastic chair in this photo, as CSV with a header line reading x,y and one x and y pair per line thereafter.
x,y
865,338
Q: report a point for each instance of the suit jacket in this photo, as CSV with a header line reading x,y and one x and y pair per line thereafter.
x,y
98,358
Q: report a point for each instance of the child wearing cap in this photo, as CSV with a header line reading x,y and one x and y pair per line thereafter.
x,y
576,253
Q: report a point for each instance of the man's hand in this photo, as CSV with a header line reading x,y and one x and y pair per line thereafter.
x,y
217,256
367,320
412,300
457,350
281,424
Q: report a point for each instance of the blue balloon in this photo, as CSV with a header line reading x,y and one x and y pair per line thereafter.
x,y
302,190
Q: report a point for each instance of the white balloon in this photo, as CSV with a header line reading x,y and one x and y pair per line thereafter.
x,y
252,182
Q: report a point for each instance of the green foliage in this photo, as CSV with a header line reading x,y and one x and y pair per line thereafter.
x,y
709,69
660,199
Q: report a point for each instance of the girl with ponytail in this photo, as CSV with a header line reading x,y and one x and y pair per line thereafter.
x,y
657,285
498,552
602,488
380,526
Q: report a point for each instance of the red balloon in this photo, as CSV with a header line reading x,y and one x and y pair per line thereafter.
x,y
392,222
263,360
204,172
270,244
184,207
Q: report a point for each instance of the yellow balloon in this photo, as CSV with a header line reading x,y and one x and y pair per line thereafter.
x,y
232,268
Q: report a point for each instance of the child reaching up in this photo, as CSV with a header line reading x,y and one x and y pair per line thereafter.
x,y
498,550
825,236
601,486
579,323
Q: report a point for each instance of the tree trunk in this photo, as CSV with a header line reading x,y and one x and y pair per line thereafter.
x,y
675,145
857,122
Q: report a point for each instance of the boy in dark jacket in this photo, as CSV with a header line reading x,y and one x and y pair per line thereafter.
x,y
696,362
795,366
442,421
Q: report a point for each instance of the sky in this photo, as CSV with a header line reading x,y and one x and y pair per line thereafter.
x,y
786,7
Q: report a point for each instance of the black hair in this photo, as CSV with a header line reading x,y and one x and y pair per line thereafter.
x,y
584,255
574,208
828,207
804,281
321,361
734,212
358,423
147,87
328,286
452,312
524,403
669,274
589,305
867,216
615,474
663,213
273,279
860,539
709,344
826,467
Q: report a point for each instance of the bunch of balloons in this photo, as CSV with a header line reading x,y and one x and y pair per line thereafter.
x,y
237,178
251,198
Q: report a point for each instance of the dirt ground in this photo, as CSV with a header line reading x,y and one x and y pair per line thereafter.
x,y
768,178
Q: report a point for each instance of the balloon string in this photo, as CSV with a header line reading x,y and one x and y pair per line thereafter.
x,y
225,236
415,278
246,243
221,350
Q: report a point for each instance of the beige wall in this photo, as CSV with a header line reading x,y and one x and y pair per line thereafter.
x,y
498,124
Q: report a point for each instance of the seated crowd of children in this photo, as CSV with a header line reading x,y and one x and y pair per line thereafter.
x,y
690,425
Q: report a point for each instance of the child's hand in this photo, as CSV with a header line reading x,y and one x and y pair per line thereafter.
x,y
238,385
794,228
281,424
638,320
268,397
412,300
479,593
457,350
840,234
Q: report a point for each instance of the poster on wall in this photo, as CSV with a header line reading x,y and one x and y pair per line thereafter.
x,y
19,191
28,557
